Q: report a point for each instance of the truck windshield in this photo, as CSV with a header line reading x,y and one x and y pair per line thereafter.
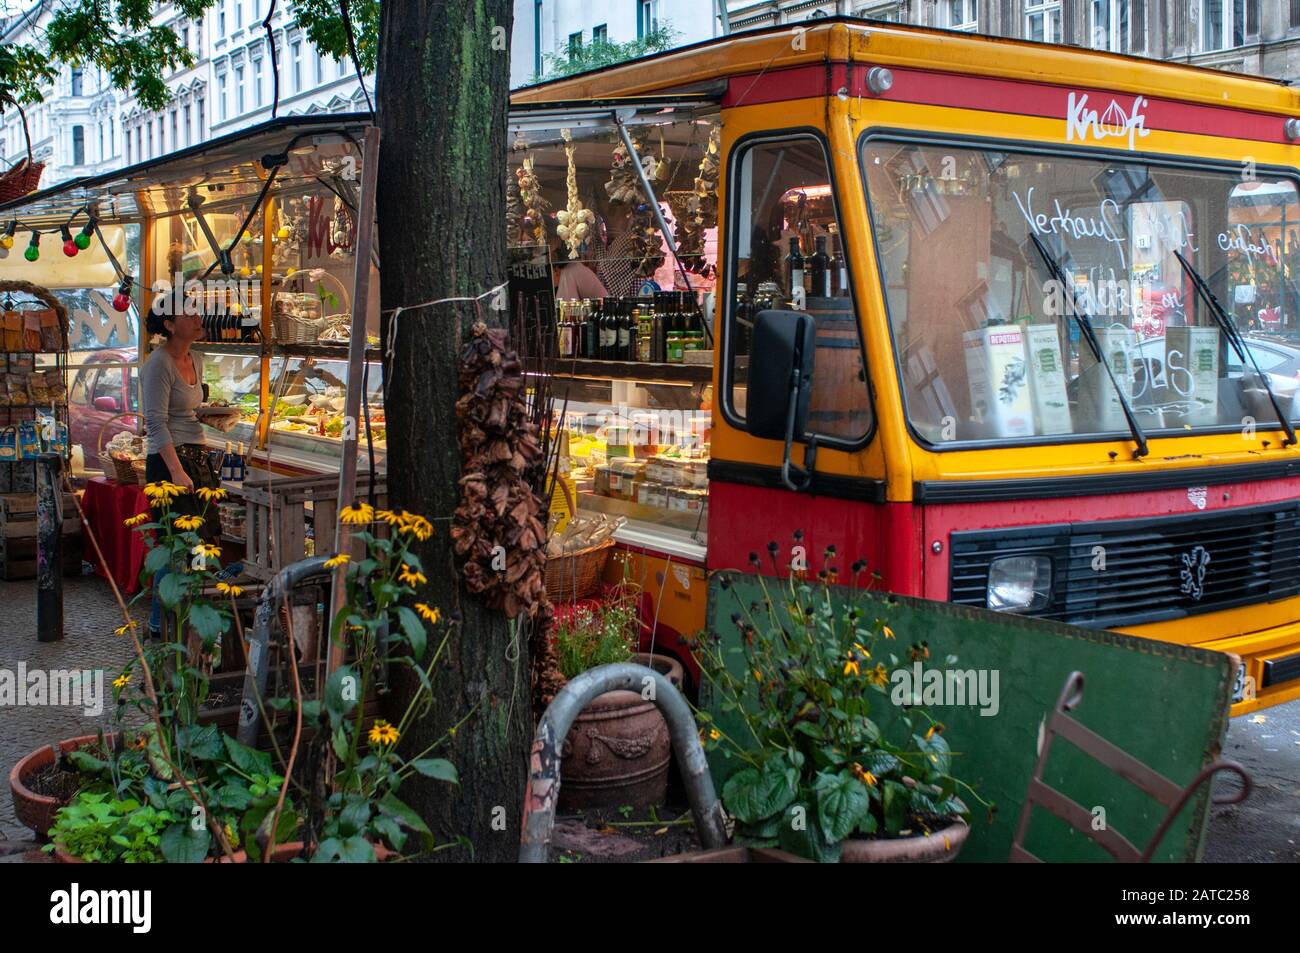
x,y
988,346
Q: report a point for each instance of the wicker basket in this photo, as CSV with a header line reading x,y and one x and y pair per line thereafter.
x,y
25,175
128,470
577,575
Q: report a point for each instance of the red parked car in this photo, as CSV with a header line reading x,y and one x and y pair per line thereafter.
x,y
101,390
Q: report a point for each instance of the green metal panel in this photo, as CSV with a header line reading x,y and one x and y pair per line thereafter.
x,y
1167,705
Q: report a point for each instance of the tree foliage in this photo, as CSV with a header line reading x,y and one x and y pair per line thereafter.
x,y
580,59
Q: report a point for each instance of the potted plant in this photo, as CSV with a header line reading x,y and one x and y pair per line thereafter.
x,y
617,752
180,790
821,777
47,779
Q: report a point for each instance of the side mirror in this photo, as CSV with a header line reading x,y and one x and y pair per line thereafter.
x,y
780,387
107,404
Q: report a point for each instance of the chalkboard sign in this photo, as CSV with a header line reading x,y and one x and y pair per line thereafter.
x,y
532,300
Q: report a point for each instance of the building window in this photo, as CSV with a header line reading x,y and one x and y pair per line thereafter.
x,y
128,147
1119,25
295,58
1225,24
257,82
962,15
221,19
599,34
139,143
647,17
176,131
575,45
888,12
1043,21
198,131
112,138
239,90
78,145
1295,14
239,13
185,37
320,68
102,157
76,81
222,107
188,116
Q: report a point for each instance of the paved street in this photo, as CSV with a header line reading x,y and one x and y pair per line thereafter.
x,y
1266,828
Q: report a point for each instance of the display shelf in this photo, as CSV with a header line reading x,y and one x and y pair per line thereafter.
x,y
625,370
337,352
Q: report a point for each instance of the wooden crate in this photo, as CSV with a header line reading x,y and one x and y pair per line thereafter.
x,y
277,519
18,536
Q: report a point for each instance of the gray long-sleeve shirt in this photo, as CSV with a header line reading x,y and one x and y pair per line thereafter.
x,y
169,402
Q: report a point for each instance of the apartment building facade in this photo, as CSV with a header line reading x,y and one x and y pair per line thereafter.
x,y
84,126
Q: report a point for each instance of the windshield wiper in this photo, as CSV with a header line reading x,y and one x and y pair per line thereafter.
x,y
1233,334
1086,331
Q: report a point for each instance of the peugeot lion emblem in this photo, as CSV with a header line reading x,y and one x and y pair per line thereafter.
x,y
1193,574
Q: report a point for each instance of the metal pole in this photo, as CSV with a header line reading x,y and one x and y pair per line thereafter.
x,y
49,549
650,197
356,368
544,759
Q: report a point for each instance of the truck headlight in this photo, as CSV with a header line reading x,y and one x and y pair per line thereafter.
x,y
1020,583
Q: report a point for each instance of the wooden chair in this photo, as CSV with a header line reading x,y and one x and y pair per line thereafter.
x,y
1153,784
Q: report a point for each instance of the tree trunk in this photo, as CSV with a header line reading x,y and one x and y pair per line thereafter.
x,y
443,91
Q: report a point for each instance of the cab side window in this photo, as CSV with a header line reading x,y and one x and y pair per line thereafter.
x,y
787,253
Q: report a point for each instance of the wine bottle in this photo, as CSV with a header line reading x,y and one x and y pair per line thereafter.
x,y
591,332
607,333
227,464
820,270
624,332
794,267
840,271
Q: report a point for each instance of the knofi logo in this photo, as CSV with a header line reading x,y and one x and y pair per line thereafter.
x,y
1114,123
133,907
1193,574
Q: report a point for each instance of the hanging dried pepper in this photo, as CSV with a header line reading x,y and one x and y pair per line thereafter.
x,y
497,530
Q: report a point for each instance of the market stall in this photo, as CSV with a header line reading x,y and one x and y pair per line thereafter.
x,y
612,231
257,232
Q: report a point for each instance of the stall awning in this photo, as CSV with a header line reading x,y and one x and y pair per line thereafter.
x,y
226,167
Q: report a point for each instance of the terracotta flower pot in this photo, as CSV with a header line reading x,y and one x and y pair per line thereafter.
x,y
36,811
937,847
617,751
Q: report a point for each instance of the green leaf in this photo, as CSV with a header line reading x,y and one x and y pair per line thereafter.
x,y
207,621
937,754
753,796
842,801
355,816
392,806
234,795
246,759
414,630
895,801
439,768
202,743
160,557
801,835
173,587
342,691
391,831
182,844
351,850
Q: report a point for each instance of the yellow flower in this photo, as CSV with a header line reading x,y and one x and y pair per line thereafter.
x,y
879,675
208,494
121,680
135,520
416,525
866,777
887,632
207,551
410,577
335,562
428,614
382,733
714,734
126,627
163,488
861,650
851,667
388,516
361,513
936,728
758,676
188,522
229,589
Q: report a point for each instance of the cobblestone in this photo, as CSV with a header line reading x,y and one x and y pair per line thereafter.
x,y
90,616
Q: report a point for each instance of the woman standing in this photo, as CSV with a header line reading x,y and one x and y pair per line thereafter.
x,y
172,386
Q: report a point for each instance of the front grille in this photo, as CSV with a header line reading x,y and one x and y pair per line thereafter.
x,y
1133,571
